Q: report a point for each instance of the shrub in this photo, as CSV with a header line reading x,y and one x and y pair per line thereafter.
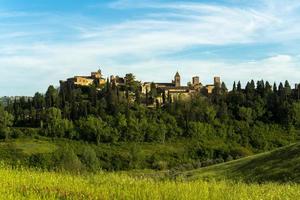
x,y
239,152
16,133
66,159
89,159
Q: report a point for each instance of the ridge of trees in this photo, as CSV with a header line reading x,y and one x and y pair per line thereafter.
x,y
258,117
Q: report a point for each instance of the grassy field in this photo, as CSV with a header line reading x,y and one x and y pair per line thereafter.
x,y
30,184
272,175
281,165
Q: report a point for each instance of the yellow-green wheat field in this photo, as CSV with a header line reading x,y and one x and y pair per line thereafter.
x,y
34,184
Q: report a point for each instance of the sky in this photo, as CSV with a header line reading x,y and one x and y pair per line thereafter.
x,y
44,41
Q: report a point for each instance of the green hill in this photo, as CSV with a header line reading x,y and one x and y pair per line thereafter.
x,y
281,165
47,153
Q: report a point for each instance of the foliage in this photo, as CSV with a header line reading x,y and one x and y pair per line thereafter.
x,y
256,118
6,120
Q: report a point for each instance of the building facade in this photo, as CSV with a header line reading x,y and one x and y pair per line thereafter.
x,y
174,90
95,78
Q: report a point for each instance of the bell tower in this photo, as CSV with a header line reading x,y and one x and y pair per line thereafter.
x,y
177,80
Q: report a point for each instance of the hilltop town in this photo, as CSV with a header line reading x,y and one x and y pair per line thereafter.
x,y
155,93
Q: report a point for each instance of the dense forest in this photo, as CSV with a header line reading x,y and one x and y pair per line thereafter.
x,y
222,126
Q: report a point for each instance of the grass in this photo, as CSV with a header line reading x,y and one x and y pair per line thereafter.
x,y
31,146
30,184
281,165
272,175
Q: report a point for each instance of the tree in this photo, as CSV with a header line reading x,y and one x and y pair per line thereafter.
x,y
287,89
38,101
260,88
234,87
239,87
224,89
210,114
66,159
55,126
155,131
137,96
131,84
53,122
296,114
132,130
268,88
94,129
89,158
52,97
275,88
153,90
246,114
6,121
281,91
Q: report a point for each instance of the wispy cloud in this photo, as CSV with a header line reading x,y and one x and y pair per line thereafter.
x,y
54,46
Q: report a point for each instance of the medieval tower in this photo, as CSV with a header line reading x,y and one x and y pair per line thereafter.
x,y
177,80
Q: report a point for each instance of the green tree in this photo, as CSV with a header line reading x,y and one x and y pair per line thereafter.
x,y
89,158
52,99
239,87
6,121
296,114
287,89
234,87
246,114
66,159
55,126
94,129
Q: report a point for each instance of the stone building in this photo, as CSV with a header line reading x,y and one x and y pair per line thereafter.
x,y
217,83
117,81
174,90
95,78
155,92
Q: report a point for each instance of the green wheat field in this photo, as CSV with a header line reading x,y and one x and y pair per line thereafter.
x,y
30,184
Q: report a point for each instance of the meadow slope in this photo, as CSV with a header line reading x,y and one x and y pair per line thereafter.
x,y
281,165
31,184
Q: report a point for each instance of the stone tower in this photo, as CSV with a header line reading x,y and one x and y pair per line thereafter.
x,y
196,80
97,74
217,81
177,80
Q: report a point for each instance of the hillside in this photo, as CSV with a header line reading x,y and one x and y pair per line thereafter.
x,y
46,153
31,184
281,165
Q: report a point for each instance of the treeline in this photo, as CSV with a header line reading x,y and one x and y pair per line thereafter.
x,y
256,118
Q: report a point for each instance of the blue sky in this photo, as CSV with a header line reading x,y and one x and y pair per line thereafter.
x,y
44,41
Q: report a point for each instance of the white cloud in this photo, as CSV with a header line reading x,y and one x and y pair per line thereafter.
x,y
142,45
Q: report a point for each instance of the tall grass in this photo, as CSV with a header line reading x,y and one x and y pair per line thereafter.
x,y
34,184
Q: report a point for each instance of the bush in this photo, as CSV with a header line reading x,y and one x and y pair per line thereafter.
x,y
89,159
160,165
66,159
239,152
16,133
229,158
